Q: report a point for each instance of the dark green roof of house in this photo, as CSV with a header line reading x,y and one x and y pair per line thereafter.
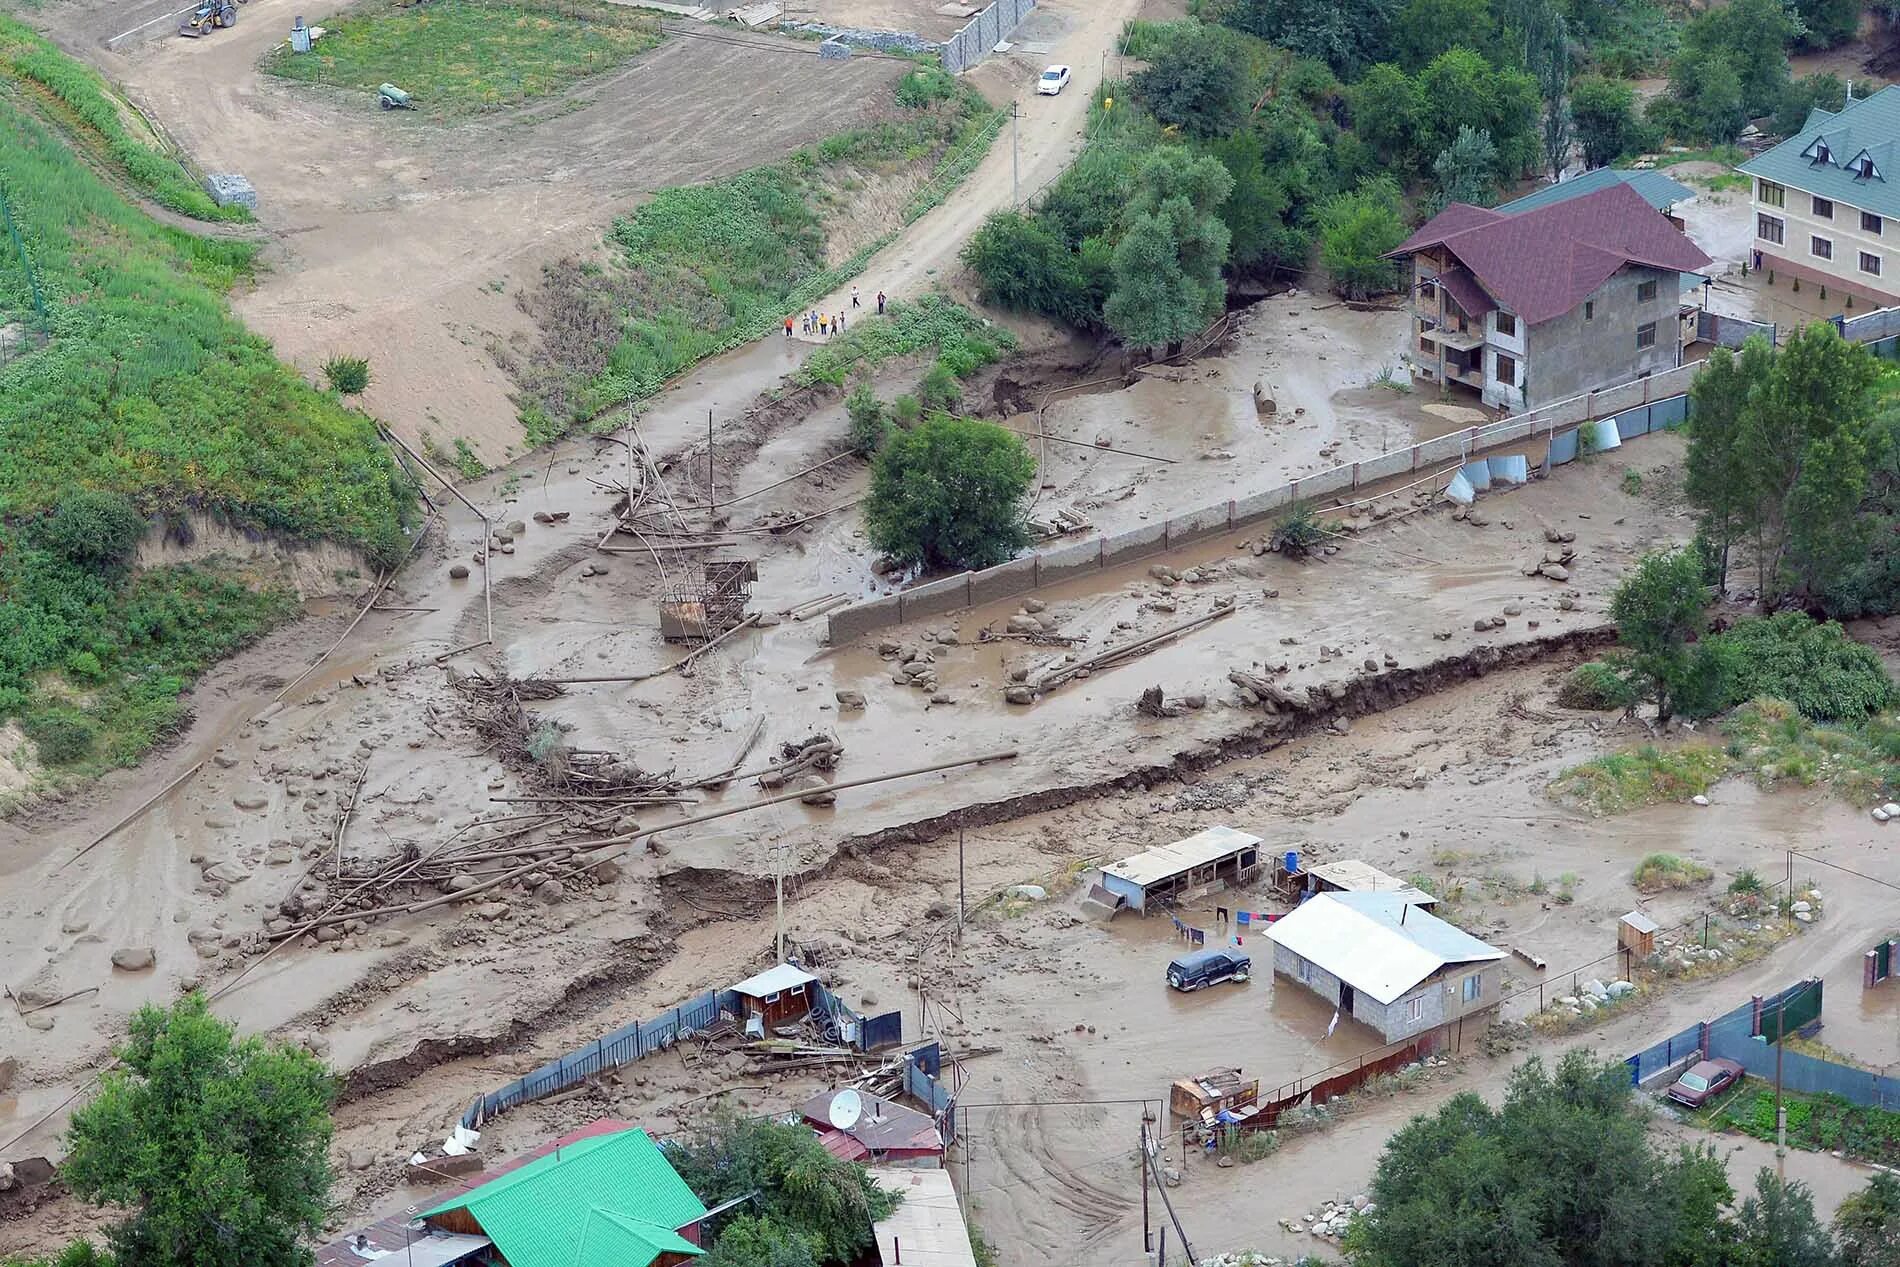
x,y
1658,190
1867,128
610,1201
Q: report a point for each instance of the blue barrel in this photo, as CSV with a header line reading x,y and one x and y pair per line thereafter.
x,y
1292,862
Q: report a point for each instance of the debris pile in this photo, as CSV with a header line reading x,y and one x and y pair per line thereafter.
x,y
1030,682
1557,558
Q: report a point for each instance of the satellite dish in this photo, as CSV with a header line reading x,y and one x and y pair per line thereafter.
x,y
846,1108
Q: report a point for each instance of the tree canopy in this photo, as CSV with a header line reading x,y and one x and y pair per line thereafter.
x,y
1603,111
949,493
217,1146
1356,231
1659,608
1196,81
1167,265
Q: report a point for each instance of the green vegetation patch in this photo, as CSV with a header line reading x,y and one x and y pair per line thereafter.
x,y
77,99
1661,871
1860,761
458,57
1646,776
964,342
1820,1123
702,268
148,399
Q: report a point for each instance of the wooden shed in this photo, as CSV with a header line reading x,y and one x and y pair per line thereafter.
x,y
1636,933
778,996
1200,1100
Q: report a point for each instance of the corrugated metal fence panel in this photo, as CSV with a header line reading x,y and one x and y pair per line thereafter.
x,y
1672,412
883,1031
1786,1011
1477,474
1648,1063
929,1058
1510,468
1807,1074
1633,423
1563,448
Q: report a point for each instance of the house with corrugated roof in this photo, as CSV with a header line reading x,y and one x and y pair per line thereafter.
x,y
1524,307
606,1201
1824,197
1386,962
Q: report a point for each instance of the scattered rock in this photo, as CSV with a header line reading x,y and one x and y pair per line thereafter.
x,y
1555,571
815,791
1036,893
227,873
38,1020
133,959
282,856
458,572
551,893
9,1070
361,1159
461,881
1699,799
1034,606
250,800
850,701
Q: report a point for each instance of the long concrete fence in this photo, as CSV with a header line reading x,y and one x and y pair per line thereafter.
x,y
1639,406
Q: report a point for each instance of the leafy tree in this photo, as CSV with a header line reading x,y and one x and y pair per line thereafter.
x,y
1659,609
870,422
805,1196
1196,80
1752,38
1385,115
1427,28
1828,22
1802,433
1167,266
1789,656
1776,1227
94,529
1552,68
1258,212
1707,100
949,494
1348,36
1356,231
77,1253
1561,1174
1824,90
1460,89
1716,471
1604,114
1867,1224
218,1145
1466,171
1024,265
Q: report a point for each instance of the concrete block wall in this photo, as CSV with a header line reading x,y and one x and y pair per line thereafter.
x,y
982,33
1134,544
1073,559
1015,577
934,598
1200,523
862,618
1260,505
1385,466
1614,400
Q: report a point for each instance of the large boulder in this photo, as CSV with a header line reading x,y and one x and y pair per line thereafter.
x,y
134,958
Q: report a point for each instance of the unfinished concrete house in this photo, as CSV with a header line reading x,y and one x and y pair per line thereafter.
x,y
1521,308
1387,963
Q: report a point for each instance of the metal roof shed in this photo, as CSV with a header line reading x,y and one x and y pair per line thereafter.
x,y
926,1229
1203,861
1349,875
1379,944
777,996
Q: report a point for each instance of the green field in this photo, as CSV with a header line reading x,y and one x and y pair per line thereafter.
x,y
457,57
77,100
146,397
702,268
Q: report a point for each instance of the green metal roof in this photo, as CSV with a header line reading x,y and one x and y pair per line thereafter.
x,y
608,1201
1658,190
1869,127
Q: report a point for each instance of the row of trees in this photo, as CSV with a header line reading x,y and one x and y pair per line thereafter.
x,y
1563,1173
1794,459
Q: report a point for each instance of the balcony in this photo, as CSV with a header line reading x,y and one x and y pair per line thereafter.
x,y
1456,340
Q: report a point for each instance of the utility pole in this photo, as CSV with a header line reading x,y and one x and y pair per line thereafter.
x,y
1781,1111
778,887
712,491
1015,159
960,890
1147,1235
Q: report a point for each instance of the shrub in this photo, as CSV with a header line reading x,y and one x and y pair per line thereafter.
x,y
1666,871
1790,656
1298,533
1646,776
96,530
1356,231
870,424
1746,881
62,734
906,410
925,85
949,494
939,390
1597,686
348,375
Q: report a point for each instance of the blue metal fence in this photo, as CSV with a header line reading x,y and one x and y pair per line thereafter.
x,y
1806,1073
1651,1061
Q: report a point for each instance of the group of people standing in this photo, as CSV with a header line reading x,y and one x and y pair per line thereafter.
x,y
824,324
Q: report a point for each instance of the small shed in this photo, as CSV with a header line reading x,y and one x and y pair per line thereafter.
x,y
1636,933
1205,861
1200,1100
859,1126
1349,875
926,1229
778,996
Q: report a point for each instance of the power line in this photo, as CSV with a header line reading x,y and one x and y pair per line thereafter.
x,y
1808,857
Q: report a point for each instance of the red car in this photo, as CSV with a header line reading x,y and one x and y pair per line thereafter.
x,y
1706,1079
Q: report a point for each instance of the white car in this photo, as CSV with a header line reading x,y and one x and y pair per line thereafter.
x,y
1053,81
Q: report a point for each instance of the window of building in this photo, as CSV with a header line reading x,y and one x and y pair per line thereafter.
x,y
1589,310
1870,263
1474,987
1821,248
1428,292
1824,208
1871,223
1507,325
1646,335
1768,228
1645,292
1425,346
1507,370
1771,194
1415,1009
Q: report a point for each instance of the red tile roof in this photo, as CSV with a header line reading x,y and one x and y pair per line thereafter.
x,y
1465,292
1543,262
